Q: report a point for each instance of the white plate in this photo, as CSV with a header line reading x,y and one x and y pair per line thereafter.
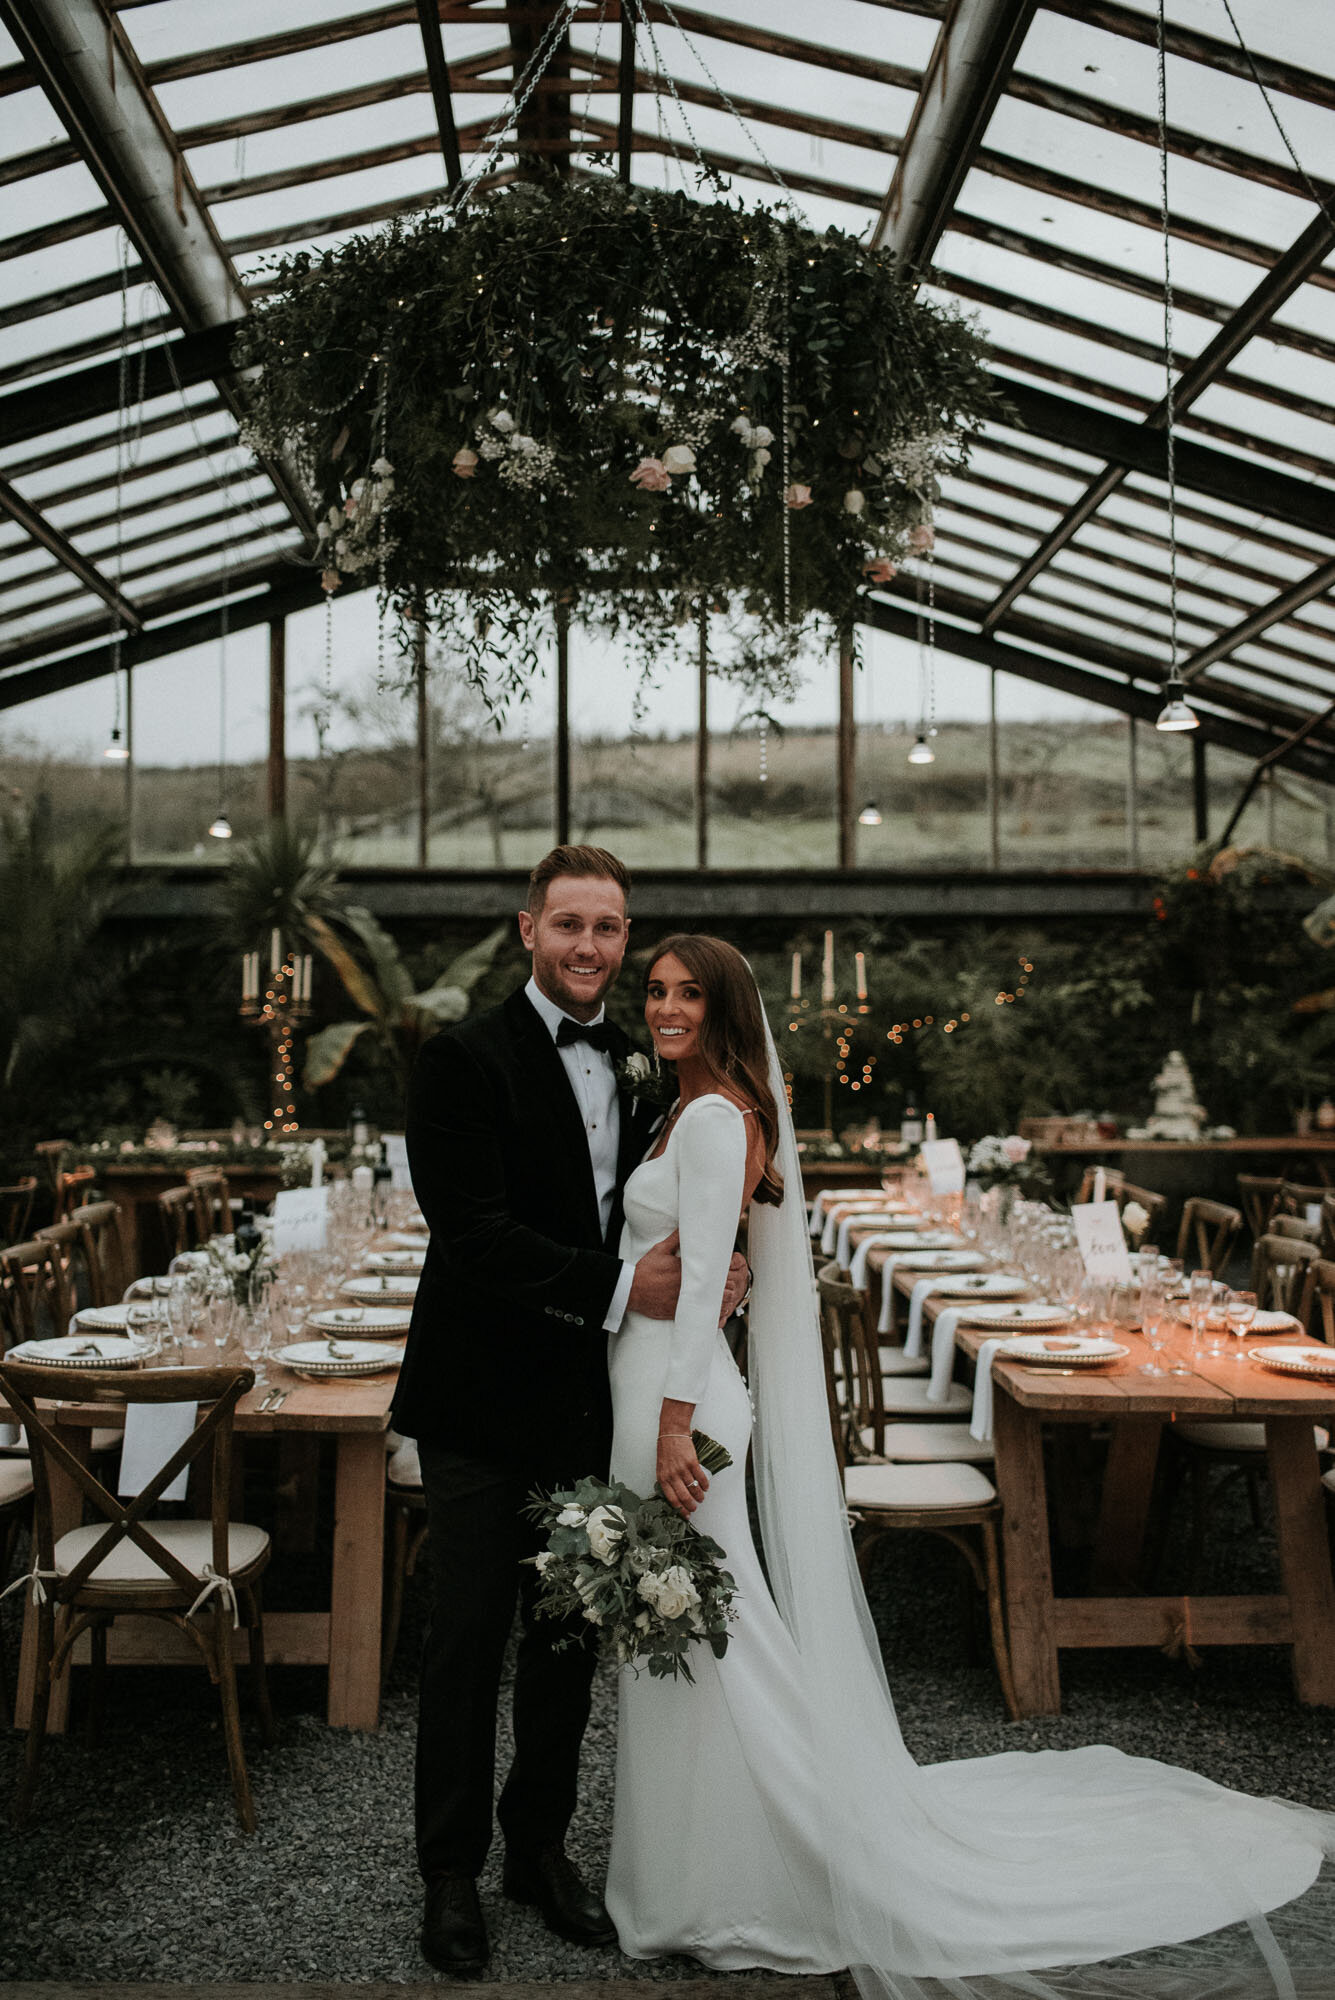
x,y
408,1239
986,1285
364,1322
394,1260
108,1319
355,1357
381,1286
1317,1363
1273,1322
934,1260
83,1350
1037,1313
1064,1350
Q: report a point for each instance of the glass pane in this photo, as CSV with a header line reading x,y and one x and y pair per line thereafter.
x,y
931,815
1063,779
788,820
632,755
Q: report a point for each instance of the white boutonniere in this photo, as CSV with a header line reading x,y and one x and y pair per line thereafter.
x,y
638,1078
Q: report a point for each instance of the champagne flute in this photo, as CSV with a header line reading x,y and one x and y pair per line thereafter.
x,y
1240,1311
1155,1324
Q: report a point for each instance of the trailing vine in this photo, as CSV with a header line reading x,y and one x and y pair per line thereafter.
x,y
574,391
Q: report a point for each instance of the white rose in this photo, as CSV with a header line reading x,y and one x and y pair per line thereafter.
x,y
637,1065
594,1617
679,458
382,468
762,435
642,1621
674,1592
571,1517
742,426
544,1561
1135,1219
606,1525
500,420
854,502
760,459
526,446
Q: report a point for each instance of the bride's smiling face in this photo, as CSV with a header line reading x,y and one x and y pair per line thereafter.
x,y
674,1009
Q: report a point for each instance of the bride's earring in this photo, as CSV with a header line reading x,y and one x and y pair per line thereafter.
x,y
658,1068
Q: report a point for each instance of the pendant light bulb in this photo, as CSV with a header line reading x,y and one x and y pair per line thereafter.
x,y
116,750
1176,714
870,814
221,828
922,751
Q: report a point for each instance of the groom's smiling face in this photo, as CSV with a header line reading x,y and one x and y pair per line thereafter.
x,y
578,940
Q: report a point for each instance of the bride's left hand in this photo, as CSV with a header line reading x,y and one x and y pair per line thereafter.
x,y
682,1479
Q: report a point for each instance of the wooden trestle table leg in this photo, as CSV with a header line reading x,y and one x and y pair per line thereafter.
x,y
358,1581
1124,1511
1304,1555
1027,1557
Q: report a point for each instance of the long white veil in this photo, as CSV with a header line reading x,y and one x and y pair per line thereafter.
x,y
971,1877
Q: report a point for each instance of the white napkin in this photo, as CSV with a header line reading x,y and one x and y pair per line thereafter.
x,y
943,1353
857,1269
918,1298
980,1420
153,1432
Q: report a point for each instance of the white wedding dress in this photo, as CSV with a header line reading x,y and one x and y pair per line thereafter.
x,y
770,1815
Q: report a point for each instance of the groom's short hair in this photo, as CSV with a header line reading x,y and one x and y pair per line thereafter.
x,y
588,861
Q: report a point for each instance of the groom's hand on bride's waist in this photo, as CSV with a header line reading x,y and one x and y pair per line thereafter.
x,y
657,1282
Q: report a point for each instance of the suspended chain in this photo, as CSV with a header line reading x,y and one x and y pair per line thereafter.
x,y
1169,381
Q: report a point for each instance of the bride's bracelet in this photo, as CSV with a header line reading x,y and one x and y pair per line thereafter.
x,y
664,1435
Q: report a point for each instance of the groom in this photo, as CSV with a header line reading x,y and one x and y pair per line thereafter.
x,y
519,1142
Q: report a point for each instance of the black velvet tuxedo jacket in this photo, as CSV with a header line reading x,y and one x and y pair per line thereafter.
x,y
507,1355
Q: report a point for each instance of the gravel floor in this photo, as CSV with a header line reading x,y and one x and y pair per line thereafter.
x,y
133,1868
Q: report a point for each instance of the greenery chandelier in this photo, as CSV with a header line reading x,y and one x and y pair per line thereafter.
x,y
617,400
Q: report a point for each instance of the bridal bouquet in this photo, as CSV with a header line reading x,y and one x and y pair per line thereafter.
x,y
648,1582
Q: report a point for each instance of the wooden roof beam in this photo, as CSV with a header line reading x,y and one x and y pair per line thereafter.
x,y
35,524
438,71
1305,591
92,77
1214,54
75,398
1279,284
626,92
970,62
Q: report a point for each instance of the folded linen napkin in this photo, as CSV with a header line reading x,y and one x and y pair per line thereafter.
x,y
943,1353
918,1298
842,1214
980,1420
153,1431
857,1266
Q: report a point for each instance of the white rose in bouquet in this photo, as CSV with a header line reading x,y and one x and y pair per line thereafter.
x,y
544,1561
571,1517
670,1593
606,1529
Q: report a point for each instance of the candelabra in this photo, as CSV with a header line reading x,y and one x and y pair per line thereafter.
x,y
838,1020
284,1004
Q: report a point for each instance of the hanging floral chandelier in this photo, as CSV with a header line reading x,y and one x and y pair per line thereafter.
x,y
619,400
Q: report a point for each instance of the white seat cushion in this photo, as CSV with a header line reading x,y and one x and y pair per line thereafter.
x,y
909,1486
191,1542
405,1467
894,1361
906,1396
1328,1480
15,1480
923,1444
1236,1437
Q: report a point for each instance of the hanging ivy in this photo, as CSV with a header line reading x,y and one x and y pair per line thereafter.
x,y
576,392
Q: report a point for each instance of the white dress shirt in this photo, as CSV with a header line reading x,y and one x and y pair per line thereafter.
x,y
593,1080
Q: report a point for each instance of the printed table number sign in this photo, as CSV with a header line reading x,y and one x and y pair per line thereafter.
x,y
300,1219
944,1163
1098,1231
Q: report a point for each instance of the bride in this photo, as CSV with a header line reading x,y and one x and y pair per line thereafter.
x,y
770,1815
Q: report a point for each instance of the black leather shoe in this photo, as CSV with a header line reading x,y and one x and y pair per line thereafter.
x,y
567,1905
454,1936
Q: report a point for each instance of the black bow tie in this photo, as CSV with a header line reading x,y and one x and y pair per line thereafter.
x,y
599,1034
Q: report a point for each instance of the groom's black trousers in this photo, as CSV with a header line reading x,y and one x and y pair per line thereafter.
x,y
477,1541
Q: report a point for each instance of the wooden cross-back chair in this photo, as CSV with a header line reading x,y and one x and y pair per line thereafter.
x,y
1317,1305
873,1395
1258,1196
1296,1227
943,1497
1279,1269
16,1202
201,1576
35,1301
213,1201
89,1242
180,1219
1207,1233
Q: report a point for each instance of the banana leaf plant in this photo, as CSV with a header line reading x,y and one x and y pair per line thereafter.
x,y
278,881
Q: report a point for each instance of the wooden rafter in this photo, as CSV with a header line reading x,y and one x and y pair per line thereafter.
x,y
35,524
438,71
1317,584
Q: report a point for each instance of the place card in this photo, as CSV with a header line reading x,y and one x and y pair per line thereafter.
x,y
944,1163
1098,1231
396,1159
300,1219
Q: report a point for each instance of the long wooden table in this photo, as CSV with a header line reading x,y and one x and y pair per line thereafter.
x,y
1300,1615
346,1637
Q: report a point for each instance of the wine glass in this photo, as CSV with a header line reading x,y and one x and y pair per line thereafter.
x,y
1240,1311
255,1345
1156,1325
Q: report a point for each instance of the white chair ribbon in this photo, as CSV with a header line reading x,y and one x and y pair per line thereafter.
x,y
943,1353
33,1576
225,1588
918,1298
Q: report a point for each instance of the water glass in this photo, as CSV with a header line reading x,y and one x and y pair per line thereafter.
x,y
1156,1324
1126,1306
1240,1311
255,1345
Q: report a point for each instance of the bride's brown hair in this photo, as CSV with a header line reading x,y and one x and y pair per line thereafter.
x,y
732,1039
